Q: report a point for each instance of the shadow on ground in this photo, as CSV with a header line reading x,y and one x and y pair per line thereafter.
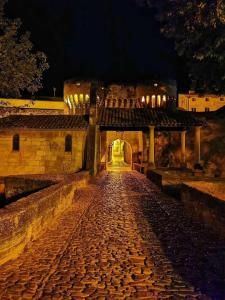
x,y
196,253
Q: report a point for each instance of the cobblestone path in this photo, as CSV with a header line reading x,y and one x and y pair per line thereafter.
x,y
123,239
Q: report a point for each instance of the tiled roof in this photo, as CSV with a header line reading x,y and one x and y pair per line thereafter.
x,y
143,117
44,122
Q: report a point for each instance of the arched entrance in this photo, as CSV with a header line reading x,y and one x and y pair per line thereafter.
x,y
119,155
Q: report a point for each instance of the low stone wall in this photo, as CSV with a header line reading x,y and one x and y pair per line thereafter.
x,y
19,186
204,207
155,177
26,219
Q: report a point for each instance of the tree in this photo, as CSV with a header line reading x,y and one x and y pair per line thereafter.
x,y
21,68
198,30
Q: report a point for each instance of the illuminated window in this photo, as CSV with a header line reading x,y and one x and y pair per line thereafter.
x,y
164,98
143,99
16,142
207,109
76,99
193,109
68,143
81,98
86,97
147,99
158,100
153,100
69,103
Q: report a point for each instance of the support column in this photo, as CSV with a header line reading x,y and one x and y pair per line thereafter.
x,y
198,146
141,144
151,161
183,149
96,150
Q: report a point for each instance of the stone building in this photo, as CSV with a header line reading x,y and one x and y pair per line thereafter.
x,y
102,126
42,144
200,103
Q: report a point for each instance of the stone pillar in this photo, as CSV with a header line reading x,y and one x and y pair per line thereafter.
x,y
151,160
141,144
96,150
198,146
183,149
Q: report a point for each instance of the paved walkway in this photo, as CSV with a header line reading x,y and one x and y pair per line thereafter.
x,y
122,239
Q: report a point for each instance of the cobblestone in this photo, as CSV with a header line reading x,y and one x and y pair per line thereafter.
x,y
122,239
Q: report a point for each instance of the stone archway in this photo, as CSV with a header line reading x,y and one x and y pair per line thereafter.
x,y
119,154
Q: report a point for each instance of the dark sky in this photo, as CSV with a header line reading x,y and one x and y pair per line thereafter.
x,y
105,39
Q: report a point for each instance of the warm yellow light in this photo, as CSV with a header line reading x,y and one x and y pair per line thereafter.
x,y
148,99
164,98
69,103
143,99
159,100
153,100
76,99
81,98
87,97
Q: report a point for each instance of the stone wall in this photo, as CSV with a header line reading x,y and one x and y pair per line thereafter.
x,y
29,217
201,206
41,152
22,185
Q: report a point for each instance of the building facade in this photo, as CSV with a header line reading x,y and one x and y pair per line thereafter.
x,y
200,103
102,126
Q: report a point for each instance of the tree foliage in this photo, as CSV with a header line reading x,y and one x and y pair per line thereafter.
x,y
21,68
198,30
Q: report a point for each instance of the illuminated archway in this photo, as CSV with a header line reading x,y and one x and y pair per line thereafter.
x,y
119,154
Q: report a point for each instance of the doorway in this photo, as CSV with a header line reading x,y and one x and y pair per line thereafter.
x,y
120,155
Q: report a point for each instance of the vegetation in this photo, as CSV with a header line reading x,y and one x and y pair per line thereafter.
x,y
198,30
21,68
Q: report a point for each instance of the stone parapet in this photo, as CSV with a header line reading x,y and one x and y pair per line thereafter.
x,y
26,219
205,207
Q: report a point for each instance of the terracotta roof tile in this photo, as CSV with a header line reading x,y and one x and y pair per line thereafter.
x,y
44,122
143,117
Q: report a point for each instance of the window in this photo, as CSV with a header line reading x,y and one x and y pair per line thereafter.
x,y
207,109
148,99
153,100
194,109
81,98
16,142
68,143
164,98
158,100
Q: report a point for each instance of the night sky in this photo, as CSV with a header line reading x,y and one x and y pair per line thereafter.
x,y
113,40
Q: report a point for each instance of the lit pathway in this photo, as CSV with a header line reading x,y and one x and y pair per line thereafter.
x,y
123,239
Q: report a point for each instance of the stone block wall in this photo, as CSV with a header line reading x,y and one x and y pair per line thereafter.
x,y
204,207
29,217
21,185
41,152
